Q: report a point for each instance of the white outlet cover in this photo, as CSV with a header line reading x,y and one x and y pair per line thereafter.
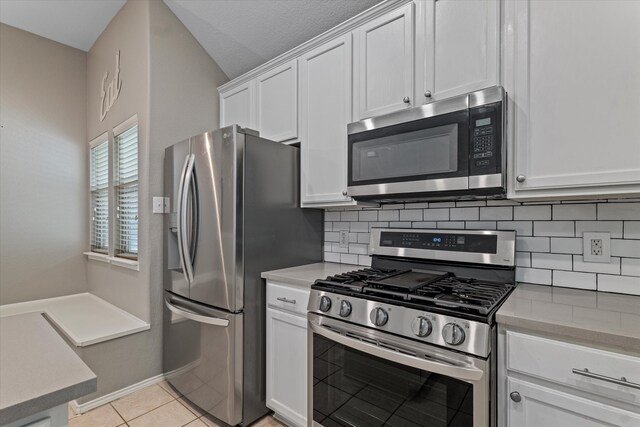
x,y
344,239
606,247
160,205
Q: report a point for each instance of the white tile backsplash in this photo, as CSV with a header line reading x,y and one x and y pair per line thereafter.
x,y
574,212
549,236
539,212
571,279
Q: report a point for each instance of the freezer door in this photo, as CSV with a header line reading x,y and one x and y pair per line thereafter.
x,y
175,278
203,356
217,257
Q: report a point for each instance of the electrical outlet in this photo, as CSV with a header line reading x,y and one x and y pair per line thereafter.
x,y
161,205
596,247
344,239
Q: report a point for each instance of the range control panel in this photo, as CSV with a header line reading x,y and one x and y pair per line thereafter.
x,y
485,130
440,241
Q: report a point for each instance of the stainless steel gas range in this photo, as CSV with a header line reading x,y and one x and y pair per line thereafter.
x,y
411,341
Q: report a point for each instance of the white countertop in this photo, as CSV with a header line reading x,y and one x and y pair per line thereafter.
x,y
601,318
38,368
305,275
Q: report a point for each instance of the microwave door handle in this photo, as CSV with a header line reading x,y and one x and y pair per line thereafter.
x,y
436,366
180,219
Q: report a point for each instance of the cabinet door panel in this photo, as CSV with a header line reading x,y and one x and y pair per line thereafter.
x,y
541,406
277,103
287,365
325,111
384,63
237,106
573,71
465,46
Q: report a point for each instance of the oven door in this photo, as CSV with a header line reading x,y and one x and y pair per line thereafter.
x,y
359,377
420,156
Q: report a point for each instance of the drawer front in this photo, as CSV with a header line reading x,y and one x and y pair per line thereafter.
x,y
287,298
565,364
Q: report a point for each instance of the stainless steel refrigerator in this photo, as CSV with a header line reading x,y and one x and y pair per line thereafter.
x,y
235,212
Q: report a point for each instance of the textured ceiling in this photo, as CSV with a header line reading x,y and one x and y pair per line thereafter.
x,y
76,23
238,34
242,34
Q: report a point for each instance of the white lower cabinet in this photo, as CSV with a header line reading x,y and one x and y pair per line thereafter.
x,y
287,354
545,407
546,382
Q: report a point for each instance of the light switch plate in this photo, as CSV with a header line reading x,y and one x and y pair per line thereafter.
x,y
596,247
161,205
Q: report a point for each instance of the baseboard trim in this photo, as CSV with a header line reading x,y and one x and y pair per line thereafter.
x,y
81,408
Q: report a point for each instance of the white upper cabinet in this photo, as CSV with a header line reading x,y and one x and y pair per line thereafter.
x,y
237,106
457,47
383,64
572,70
325,111
277,103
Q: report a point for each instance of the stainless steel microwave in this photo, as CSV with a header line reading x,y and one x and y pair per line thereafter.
x,y
453,148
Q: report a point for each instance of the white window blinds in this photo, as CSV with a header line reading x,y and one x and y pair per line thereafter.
x,y
99,185
126,193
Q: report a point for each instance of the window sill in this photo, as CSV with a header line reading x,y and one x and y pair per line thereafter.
x,y
119,262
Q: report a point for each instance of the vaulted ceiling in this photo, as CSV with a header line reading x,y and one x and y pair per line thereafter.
x,y
238,34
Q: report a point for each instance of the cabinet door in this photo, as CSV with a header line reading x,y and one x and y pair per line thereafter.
x,y
237,106
325,111
384,64
541,406
457,47
277,103
572,69
287,365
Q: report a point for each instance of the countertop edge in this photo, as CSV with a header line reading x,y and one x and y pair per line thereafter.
x,y
47,401
597,338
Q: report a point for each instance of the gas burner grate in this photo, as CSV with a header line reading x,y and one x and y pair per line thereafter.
x,y
455,292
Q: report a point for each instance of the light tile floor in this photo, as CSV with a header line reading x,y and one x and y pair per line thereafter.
x,y
155,406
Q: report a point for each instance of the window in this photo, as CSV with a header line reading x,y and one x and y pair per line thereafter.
x,y
126,192
114,196
99,186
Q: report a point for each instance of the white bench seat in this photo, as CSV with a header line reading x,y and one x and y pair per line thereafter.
x,y
84,319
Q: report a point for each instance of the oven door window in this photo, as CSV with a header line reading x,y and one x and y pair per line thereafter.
x,y
424,149
355,389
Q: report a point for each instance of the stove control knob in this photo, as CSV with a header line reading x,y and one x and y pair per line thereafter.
x,y
345,308
325,303
421,326
453,334
379,316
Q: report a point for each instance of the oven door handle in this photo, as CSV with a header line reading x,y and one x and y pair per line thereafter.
x,y
465,373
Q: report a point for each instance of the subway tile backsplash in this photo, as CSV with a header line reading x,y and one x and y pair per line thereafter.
x,y
548,236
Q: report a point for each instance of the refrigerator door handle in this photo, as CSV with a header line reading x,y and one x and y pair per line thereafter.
x,y
180,229
184,239
214,321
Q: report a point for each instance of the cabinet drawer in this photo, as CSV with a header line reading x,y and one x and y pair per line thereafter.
x,y
287,298
565,364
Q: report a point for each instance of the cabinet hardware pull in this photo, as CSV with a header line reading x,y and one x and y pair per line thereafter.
x,y
344,193
521,178
427,94
622,381
406,100
515,396
287,300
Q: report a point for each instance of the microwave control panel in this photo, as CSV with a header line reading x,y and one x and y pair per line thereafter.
x,y
485,156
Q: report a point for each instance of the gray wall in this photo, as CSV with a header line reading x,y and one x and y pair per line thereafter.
x,y
170,82
43,168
